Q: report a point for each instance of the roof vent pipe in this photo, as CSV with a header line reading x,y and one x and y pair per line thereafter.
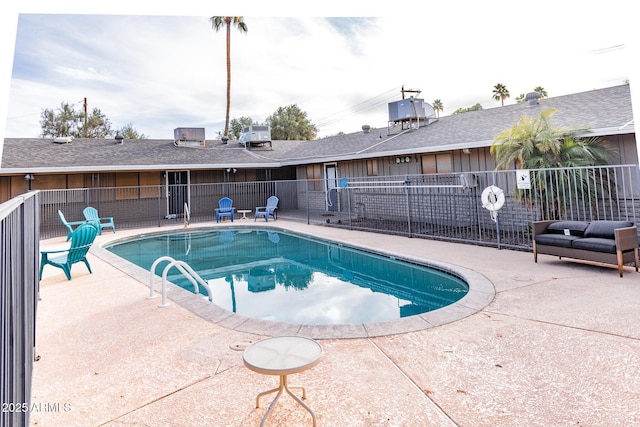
x,y
366,128
119,138
533,98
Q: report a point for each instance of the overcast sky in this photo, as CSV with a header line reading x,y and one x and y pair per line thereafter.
x,y
157,71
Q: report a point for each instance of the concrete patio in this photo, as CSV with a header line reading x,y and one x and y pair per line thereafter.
x,y
558,345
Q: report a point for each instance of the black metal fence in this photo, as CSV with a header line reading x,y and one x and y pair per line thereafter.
x,y
439,206
20,226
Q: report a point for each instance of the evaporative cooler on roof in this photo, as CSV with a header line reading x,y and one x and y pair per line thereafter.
x,y
189,137
255,136
412,111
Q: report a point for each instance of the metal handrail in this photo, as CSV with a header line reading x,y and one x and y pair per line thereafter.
x,y
186,271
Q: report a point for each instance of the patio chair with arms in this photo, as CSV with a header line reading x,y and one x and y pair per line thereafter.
x,y
68,224
225,209
81,240
91,214
269,210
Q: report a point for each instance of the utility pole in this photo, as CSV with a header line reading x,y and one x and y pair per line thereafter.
x,y
85,112
403,90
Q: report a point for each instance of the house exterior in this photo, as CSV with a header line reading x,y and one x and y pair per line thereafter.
x,y
452,144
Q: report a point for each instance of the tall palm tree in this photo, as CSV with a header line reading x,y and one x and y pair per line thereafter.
x,y
500,93
438,106
543,93
228,21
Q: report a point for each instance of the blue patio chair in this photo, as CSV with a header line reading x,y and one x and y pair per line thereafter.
x,y
81,240
269,210
91,214
68,225
225,208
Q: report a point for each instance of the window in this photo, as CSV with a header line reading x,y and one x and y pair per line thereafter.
x,y
372,167
437,163
314,175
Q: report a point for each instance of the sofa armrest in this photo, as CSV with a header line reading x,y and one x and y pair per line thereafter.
x,y
626,238
539,227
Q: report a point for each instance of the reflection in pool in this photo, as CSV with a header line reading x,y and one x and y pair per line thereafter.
x,y
286,277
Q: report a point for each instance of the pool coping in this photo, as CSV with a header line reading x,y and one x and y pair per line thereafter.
x,y
481,293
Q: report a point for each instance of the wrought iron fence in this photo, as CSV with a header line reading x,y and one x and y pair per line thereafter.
x,y
438,206
19,225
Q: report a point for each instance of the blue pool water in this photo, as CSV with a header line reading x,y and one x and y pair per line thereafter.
x,y
281,276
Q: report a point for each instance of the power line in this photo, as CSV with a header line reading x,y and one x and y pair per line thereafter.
x,y
367,104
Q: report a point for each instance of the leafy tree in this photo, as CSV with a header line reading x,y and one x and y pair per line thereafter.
x,y
97,125
66,121
228,21
291,123
61,122
520,98
533,143
129,132
543,93
500,93
438,106
475,107
236,125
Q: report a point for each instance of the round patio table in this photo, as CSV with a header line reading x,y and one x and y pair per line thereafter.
x,y
244,212
282,356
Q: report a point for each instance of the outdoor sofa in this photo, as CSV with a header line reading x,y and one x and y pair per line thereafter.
x,y
609,242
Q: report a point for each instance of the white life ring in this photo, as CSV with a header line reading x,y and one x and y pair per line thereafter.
x,y
492,198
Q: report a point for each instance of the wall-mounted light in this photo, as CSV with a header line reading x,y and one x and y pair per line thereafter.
x,y
406,159
29,178
234,170
466,151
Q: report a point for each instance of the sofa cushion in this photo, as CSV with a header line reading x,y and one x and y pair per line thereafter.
x,y
605,229
576,228
552,239
595,244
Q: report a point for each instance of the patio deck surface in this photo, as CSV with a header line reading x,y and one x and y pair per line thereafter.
x,y
558,345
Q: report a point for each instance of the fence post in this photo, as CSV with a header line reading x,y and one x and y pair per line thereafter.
x,y
159,205
406,191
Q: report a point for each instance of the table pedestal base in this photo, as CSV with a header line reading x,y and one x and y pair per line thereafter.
x,y
284,386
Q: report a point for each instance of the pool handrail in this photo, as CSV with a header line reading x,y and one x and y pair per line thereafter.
x,y
186,271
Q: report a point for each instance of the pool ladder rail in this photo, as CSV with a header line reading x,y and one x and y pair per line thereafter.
x,y
183,268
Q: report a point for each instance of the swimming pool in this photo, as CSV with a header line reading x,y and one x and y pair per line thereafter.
x,y
281,276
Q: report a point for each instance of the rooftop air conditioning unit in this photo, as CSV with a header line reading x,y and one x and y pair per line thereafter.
x,y
255,135
410,109
189,137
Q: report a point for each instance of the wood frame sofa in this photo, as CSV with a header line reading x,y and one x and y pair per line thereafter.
x,y
609,242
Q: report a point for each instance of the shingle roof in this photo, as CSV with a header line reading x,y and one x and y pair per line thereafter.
x,y
604,111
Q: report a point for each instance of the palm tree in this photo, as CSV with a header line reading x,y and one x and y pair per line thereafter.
x,y
543,93
500,93
217,22
533,143
438,106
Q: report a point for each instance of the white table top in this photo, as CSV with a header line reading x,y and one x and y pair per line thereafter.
x,y
244,210
282,355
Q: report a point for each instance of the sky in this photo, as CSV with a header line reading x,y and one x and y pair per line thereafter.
x,y
162,67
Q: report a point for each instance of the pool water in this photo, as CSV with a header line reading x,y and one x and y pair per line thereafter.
x,y
281,276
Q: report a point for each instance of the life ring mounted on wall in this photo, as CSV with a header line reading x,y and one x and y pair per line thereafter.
x,y
492,200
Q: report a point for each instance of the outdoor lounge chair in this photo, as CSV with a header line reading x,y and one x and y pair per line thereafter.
x,y
225,208
91,214
269,210
81,240
68,225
